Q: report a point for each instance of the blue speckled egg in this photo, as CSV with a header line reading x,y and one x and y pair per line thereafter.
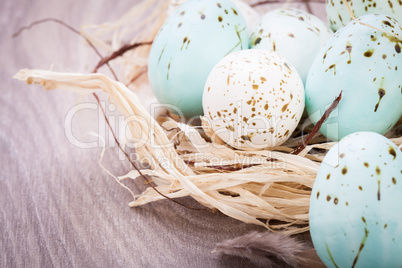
x,y
356,203
292,33
189,44
338,15
366,64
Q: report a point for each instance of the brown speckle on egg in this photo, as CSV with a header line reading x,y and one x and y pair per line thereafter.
x,y
336,201
387,22
368,53
378,170
246,137
366,164
381,93
392,151
344,170
398,48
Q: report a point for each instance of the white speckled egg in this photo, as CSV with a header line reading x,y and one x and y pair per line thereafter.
x,y
254,99
338,15
192,40
294,34
356,203
366,64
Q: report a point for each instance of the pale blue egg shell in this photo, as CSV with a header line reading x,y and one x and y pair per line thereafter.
x,y
366,65
356,203
338,14
189,44
292,33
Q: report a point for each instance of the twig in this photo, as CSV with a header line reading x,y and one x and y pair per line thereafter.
x,y
317,126
119,53
35,23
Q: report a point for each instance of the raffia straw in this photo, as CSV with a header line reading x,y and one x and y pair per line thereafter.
x,y
277,188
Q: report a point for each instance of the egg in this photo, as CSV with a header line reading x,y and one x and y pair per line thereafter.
x,y
294,34
249,14
338,15
366,65
253,99
192,40
356,203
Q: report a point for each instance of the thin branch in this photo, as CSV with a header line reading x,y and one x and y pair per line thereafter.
x,y
35,23
119,53
317,126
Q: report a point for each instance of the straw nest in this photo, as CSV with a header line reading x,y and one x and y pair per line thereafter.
x,y
269,188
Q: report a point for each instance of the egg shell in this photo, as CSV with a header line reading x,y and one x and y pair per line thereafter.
x,y
186,48
254,99
356,203
338,14
294,34
366,65
249,14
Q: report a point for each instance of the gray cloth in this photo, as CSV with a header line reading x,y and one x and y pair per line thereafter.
x,y
57,206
